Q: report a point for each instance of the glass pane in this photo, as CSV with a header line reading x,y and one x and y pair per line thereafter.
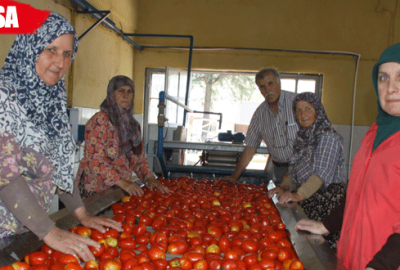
x,y
171,111
157,84
153,111
306,86
288,85
173,84
180,115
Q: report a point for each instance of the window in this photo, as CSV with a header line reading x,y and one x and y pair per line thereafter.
x,y
232,96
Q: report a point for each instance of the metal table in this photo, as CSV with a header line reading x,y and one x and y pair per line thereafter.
x,y
211,146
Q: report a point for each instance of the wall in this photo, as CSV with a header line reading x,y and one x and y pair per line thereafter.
x,y
364,27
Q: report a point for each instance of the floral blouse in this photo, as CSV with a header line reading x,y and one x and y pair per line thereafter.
x,y
102,166
34,168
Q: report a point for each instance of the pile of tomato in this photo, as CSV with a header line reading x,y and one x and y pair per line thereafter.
x,y
201,224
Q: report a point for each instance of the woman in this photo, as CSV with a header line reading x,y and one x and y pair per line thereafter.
x,y
370,235
317,175
113,145
36,145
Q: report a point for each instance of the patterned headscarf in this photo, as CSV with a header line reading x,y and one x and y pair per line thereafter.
x,y
35,113
387,124
122,119
308,137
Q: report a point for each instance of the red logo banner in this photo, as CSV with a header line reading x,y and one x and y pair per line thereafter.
x,y
18,18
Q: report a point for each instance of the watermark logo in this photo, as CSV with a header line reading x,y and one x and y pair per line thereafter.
x,y
18,18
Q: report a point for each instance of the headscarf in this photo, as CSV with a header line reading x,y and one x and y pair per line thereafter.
x,y
387,124
35,113
128,128
307,138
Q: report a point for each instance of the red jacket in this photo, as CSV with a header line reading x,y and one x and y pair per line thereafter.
x,y
372,211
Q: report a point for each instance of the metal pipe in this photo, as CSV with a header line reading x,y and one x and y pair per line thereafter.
x,y
107,22
177,102
96,24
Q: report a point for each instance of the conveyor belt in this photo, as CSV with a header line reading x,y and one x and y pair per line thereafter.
x,y
313,251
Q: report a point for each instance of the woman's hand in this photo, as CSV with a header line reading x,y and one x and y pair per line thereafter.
x,y
70,243
288,196
316,227
95,222
154,183
275,191
130,187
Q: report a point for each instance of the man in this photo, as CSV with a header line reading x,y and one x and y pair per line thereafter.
x,y
273,122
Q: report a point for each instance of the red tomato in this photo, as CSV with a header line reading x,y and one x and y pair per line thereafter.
x,y
214,263
215,231
57,266
266,263
20,266
106,256
185,263
110,265
296,265
98,251
47,250
275,235
96,235
250,259
73,266
284,255
156,253
268,254
7,267
127,243
249,246
231,255
91,265
142,239
40,267
200,265
111,233
146,220
127,228
147,266
229,264
178,247
224,243
193,256
138,229
67,258
160,264
38,257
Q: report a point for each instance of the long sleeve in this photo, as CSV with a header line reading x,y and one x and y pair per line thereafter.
x,y
26,188
140,165
20,201
71,201
333,222
388,257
